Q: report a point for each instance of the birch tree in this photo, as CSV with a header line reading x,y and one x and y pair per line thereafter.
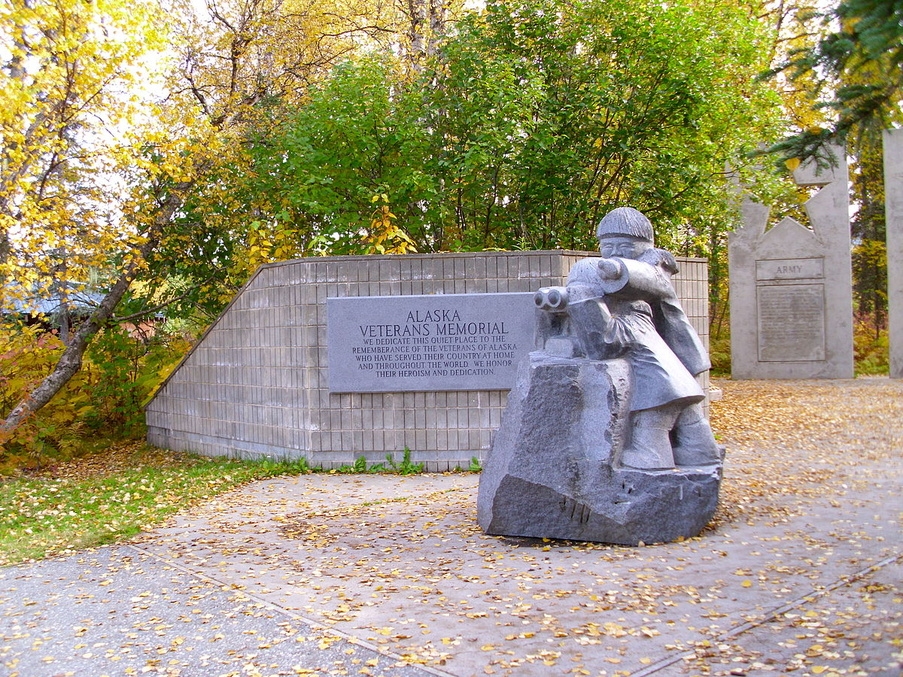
x,y
100,158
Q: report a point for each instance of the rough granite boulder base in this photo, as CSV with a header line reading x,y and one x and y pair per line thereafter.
x,y
553,471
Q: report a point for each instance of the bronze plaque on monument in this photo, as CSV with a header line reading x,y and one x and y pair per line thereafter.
x,y
791,322
427,343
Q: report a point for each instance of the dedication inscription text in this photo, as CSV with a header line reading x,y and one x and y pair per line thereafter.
x,y
427,343
791,323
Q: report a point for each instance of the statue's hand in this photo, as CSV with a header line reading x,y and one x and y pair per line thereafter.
x,y
610,269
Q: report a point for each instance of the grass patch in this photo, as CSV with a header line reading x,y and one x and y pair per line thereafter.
x,y
113,490
112,495
361,466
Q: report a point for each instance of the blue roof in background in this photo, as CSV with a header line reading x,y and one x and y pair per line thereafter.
x,y
77,299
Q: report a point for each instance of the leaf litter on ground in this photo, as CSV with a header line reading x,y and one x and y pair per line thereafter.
x,y
412,573
416,577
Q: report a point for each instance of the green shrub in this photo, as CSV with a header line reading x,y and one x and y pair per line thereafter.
x,y
27,356
872,352
720,354
126,367
120,372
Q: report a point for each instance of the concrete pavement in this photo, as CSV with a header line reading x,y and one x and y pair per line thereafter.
x,y
800,573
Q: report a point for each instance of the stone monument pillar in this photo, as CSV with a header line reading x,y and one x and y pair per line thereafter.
x,y
791,287
893,205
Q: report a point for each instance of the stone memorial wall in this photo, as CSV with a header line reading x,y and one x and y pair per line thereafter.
x,y
893,205
791,286
283,372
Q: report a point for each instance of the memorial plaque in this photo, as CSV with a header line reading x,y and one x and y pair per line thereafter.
x,y
791,322
790,269
427,343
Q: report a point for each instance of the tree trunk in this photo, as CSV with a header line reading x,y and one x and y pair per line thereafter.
x,y
416,28
71,359
4,249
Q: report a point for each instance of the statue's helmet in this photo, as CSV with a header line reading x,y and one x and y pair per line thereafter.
x,y
626,221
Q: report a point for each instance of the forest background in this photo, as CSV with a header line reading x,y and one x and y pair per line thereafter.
x,y
155,152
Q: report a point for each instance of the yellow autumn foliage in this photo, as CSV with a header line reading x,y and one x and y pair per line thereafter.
x,y
384,236
76,129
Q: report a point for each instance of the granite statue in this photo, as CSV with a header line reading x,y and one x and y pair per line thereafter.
x,y
628,456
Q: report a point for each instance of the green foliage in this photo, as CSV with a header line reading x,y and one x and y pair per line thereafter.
x,y
124,366
355,138
534,119
27,355
623,103
853,76
871,350
859,67
720,354
870,281
127,364
869,235
406,467
361,466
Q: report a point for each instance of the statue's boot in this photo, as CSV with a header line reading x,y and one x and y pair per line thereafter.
x,y
650,440
694,442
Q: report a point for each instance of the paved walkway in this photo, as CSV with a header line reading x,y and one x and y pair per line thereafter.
x,y
801,573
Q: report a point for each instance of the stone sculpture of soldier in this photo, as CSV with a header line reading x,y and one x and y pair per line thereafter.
x,y
624,305
604,437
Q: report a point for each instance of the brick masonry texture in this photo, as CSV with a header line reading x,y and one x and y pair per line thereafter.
x,y
255,384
